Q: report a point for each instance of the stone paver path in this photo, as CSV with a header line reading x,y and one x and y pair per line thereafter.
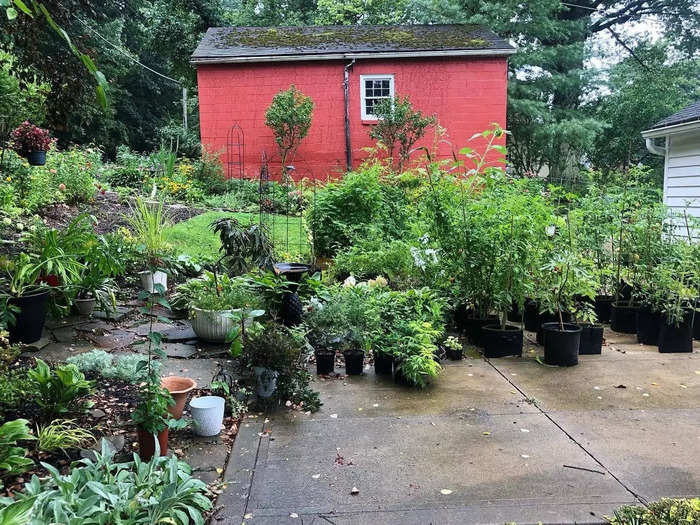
x,y
505,440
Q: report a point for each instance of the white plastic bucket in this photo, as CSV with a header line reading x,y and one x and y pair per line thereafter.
x,y
207,415
150,279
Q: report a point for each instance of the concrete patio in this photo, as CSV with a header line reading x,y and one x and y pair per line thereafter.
x,y
505,440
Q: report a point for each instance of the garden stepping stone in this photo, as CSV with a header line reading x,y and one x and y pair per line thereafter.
x,y
96,327
113,315
73,320
144,329
179,350
41,343
201,370
59,352
180,333
64,335
117,339
160,311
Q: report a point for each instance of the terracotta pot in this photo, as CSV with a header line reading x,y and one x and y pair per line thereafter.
x,y
179,388
147,443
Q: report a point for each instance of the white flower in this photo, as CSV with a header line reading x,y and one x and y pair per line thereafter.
x,y
551,230
417,258
19,226
7,221
349,282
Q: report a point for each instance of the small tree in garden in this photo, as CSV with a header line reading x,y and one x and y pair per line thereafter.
x,y
399,125
289,118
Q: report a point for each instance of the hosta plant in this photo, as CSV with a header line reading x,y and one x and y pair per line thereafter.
x,y
58,390
12,457
103,492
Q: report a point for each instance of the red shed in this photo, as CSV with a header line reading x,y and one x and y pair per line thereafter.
x,y
456,72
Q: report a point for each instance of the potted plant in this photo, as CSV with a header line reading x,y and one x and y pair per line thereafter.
x,y
271,352
92,289
148,222
218,304
453,348
591,331
151,416
676,292
414,362
26,297
353,353
565,277
31,142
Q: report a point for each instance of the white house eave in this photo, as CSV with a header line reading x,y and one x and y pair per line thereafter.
x,y
350,56
671,130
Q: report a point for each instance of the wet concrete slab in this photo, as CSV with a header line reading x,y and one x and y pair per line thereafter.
x,y
201,370
653,451
59,352
597,383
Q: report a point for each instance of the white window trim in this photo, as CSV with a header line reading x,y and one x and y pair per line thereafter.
x,y
388,76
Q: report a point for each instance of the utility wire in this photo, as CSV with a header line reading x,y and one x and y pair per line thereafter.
x,y
126,53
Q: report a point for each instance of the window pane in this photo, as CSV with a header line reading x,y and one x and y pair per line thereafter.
x,y
368,84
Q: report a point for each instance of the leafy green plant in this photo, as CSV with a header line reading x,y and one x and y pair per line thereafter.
x,y
289,118
16,512
148,222
399,125
58,390
12,457
416,353
15,389
62,434
216,292
128,171
663,512
128,368
243,247
102,491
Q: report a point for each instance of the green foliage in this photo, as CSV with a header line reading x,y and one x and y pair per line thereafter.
x,y
128,170
289,118
104,491
148,222
57,391
370,258
417,363
61,434
663,512
12,457
22,94
361,204
16,513
208,172
15,389
399,126
243,248
216,292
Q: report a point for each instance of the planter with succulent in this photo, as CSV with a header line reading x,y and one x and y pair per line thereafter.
x,y
32,142
148,222
152,416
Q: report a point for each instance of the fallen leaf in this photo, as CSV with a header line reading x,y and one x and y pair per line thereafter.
x,y
219,470
596,388
524,456
294,515
683,386
375,405
248,516
654,384
316,476
355,491
524,430
446,492
645,394
620,386
334,416
486,433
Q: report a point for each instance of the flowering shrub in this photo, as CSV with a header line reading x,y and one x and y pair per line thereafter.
x,y
27,137
72,173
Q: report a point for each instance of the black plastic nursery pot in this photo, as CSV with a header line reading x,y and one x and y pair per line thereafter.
x,y
648,325
674,338
474,325
623,318
603,307
546,317
30,320
354,362
561,346
454,355
591,339
36,158
696,327
531,317
515,315
383,364
500,342
459,317
399,378
325,361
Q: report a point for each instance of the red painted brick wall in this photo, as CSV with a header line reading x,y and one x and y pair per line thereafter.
x,y
466,94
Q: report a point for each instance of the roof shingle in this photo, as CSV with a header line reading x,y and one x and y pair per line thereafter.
x,y
221,43
687,114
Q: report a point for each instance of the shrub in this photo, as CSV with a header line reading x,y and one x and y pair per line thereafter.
x,y
103,491
360,205
15,389
371,258
75,169
208,172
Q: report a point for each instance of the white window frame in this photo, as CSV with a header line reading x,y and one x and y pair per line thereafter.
x,y
363,95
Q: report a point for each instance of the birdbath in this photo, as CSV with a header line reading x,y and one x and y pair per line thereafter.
x,y
291,304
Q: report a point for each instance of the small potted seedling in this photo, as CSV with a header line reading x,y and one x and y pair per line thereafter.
x,y
453,348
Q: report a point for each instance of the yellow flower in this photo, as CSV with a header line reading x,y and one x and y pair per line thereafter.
x,y
9,179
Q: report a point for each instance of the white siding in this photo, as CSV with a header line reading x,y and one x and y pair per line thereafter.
x,y
682,173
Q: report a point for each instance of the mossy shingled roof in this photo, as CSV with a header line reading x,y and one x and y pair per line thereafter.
x,y
252,42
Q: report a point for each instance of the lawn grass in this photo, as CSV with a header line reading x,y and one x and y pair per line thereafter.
x,y
195,238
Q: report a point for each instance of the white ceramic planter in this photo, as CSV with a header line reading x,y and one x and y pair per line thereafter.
x,y
265,381
207,415
150,279
212,325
